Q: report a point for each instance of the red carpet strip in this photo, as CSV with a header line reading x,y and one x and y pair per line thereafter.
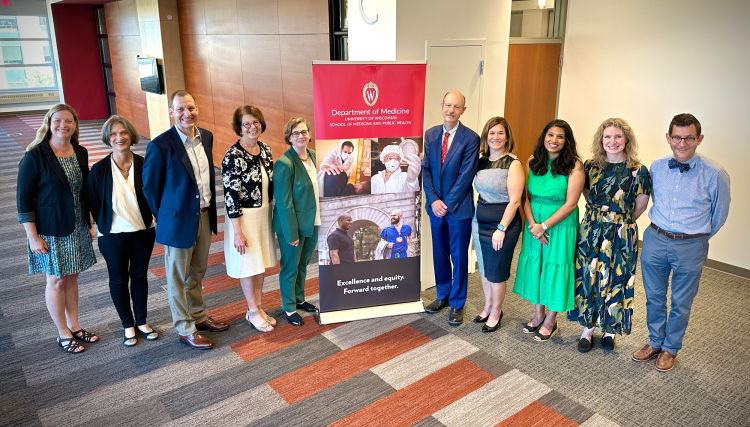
x,y
318,376
537,415
418,401
283,336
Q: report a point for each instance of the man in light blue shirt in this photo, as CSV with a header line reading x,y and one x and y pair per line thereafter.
x,y
691,203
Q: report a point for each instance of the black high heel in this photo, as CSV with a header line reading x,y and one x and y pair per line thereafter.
x,y
486,328
480,319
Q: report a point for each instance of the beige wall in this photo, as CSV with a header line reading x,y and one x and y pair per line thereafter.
x,y
417,21
646,61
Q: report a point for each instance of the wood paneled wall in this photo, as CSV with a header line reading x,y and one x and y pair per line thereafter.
x,y
124,46
531,92
258,52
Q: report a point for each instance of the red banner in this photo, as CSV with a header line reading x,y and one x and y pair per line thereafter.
x,y
377,101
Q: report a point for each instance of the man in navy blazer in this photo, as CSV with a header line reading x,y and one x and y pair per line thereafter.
x,y
178,182
450,164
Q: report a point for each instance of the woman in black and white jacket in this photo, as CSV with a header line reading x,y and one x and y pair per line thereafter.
x,y
249,246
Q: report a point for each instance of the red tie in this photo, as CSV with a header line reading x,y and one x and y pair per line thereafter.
x,y
445,148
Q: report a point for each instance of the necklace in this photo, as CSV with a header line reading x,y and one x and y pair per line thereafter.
x,y
124,172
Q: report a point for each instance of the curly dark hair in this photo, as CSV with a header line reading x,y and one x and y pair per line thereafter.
x,y
565,162
251,110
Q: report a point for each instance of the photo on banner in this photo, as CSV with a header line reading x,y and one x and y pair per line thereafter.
x,y
370,140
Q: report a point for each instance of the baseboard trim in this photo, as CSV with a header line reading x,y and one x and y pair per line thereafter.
x,y
728,268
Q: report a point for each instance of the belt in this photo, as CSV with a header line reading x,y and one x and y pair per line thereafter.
x,y
676,236
204,210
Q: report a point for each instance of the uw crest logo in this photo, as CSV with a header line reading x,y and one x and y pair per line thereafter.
x,y
370,94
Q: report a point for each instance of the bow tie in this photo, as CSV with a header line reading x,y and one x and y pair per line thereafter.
x,y
684,167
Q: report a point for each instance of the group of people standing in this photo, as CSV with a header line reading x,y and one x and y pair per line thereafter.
x,y
585,269
59,200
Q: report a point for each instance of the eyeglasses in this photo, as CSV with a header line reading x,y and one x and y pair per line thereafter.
x,y
302,134
248,125
677,139
389,158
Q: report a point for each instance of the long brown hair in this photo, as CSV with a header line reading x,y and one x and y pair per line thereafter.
x,y
44,133
599,156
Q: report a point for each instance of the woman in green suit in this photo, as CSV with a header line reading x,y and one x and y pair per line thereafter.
x,y
296,216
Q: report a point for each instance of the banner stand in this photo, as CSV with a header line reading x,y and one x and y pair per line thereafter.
x,y
371,312
369,126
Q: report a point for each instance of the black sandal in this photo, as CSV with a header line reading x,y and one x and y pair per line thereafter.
x,y
539,337
70,345
150,336
85,336
528,329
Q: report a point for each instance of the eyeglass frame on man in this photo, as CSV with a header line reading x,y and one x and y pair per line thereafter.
x,y
678,139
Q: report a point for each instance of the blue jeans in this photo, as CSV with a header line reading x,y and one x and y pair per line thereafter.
x,y
684,259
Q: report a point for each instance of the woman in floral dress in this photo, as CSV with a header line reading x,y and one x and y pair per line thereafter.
x,y
617,190
249,248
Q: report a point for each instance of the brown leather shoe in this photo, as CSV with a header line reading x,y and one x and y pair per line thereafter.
x,y
665,361
211,325
646,353
197,341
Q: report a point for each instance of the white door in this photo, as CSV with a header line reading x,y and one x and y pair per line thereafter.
x,y
451,65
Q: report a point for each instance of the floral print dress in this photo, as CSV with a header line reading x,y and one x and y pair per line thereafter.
x,y
607,251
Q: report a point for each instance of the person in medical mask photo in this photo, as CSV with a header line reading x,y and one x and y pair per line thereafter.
x,y
393,179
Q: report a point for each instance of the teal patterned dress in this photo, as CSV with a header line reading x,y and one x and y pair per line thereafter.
x,y
73,253
607,251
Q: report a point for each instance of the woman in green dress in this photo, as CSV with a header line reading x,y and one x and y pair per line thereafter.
x,y
617,190
545,274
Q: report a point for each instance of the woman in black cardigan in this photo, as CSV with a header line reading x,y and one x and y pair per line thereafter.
x,y
126,232
53,208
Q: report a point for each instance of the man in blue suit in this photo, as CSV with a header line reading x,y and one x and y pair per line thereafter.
x,y
450,164
178,182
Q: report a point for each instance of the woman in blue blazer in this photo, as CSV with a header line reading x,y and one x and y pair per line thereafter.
x,y
296,216
126,227
53,208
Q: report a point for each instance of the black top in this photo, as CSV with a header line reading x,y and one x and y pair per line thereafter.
x,y
43,194
100,184
341,240
243,178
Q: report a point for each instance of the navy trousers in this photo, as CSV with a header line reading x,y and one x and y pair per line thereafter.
x,y
450,247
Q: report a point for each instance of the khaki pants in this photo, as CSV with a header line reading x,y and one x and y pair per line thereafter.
x,y
185,269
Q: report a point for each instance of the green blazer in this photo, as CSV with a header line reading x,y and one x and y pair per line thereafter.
x,y
294,212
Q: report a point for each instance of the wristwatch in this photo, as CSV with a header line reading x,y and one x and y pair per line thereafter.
x,y
501,227
544,226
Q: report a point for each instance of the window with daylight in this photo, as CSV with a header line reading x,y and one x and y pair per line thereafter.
x,y
26,62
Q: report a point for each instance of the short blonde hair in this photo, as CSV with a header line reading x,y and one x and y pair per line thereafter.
x,y
45,133
599,156
129,128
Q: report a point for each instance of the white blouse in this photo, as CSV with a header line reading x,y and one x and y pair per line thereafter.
x,y
126,216
314,180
